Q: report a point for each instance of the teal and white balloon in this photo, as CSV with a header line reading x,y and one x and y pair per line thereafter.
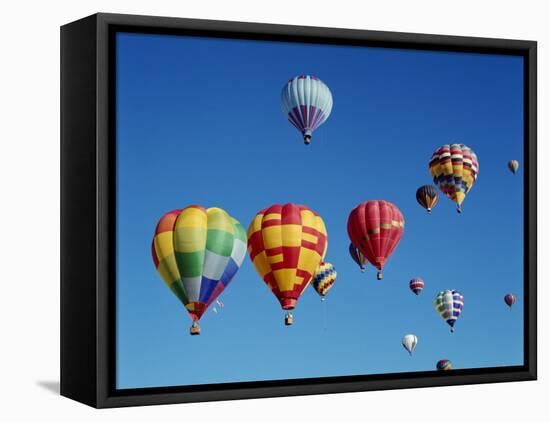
x,y
307,102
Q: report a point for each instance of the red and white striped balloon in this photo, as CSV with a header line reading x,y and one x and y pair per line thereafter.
x,y
416,285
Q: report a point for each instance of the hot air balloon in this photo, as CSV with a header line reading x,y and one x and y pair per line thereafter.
x,y
416,285
510,299
287,243
449,304
376,227
409,343
197,252
307,102
427,197
444,365
454,169
513,165
358,257
324,279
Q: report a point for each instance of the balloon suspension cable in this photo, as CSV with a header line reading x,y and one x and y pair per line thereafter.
x,y
324,305
307,139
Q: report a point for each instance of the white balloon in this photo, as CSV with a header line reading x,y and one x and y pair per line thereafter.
x,y
409,342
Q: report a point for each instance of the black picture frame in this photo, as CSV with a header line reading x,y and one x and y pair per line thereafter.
x,y
88,203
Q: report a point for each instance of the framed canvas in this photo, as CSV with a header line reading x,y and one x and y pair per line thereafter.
x,y
215,248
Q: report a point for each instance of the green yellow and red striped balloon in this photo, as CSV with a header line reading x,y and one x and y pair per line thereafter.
x,y
197,252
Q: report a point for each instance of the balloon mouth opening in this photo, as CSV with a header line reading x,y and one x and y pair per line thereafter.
x,y
288,304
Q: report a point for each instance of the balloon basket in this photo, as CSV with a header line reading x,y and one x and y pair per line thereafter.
x,y
289,319
379,275
195,329
307,140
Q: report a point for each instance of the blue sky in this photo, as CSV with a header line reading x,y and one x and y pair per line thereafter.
x,y
199,121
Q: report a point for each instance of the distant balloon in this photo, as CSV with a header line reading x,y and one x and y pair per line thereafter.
x,y
510,299
307,102
444,365
376,227
449,304
454,169
324,279
286,244
358,257
416,285
197,252
513,165
409,343
427,197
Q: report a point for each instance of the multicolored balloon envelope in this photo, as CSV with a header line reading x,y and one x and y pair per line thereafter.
x,y
416,285
307,102
454,169
449,304
444,365
286,244
513,166
358,257
324,279
197,252
376,227
427,197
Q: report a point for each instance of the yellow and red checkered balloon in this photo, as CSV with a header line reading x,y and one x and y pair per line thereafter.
x,y
286,244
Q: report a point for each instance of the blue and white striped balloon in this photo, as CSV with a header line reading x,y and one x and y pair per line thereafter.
x,y
449,304
307,102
